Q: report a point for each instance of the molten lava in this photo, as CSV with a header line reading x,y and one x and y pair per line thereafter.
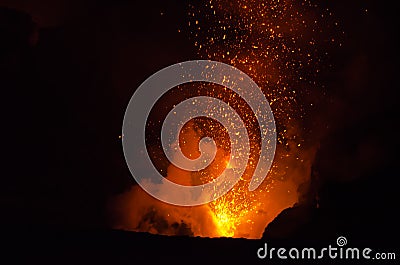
x,y
277,44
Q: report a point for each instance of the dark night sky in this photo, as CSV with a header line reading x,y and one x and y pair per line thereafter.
x,y
67,96
63,100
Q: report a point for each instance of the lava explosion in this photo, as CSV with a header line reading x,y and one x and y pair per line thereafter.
x,y
278,44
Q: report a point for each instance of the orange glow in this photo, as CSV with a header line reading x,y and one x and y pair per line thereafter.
x,y
275,43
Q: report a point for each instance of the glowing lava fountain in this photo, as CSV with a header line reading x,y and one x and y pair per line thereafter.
x,y
277,43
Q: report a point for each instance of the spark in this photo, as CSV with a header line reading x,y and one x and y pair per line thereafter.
x,y
276,44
